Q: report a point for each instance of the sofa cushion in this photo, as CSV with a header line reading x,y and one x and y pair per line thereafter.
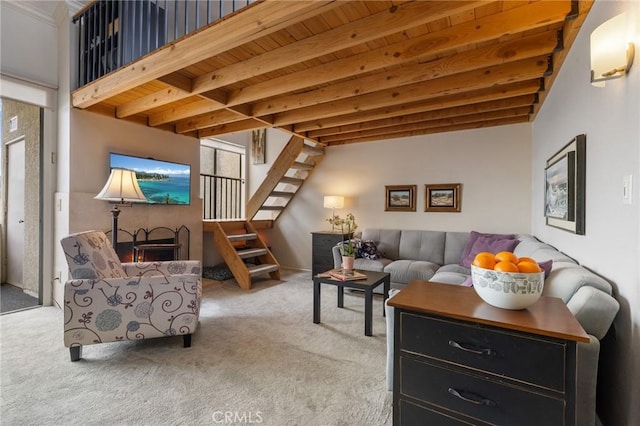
x,y
489,244
371,265
454,244
404,271
566,278
422,245
449,277
474,235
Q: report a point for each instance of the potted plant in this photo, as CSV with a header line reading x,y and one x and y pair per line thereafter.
x,y
347,249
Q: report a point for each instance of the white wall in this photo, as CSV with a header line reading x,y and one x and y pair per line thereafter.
x,y
28,46
609,117
493,165
93,137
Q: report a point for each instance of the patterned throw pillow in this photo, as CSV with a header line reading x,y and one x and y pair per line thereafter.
x,y
367,249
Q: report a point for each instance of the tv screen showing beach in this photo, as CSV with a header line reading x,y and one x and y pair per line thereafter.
x,y
161,182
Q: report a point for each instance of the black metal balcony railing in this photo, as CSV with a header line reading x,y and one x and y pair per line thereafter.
x,y
222,197
114,33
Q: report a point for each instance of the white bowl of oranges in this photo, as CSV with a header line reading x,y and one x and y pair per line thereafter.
x,y
506,281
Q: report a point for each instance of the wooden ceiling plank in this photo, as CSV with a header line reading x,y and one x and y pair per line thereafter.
x,y
477,96
238,126
258,20
425,124
526,69
203,121
180,112
445,129
531,16
358,32
496,105
511,51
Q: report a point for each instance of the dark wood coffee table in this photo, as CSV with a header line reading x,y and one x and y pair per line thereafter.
x,y
373,280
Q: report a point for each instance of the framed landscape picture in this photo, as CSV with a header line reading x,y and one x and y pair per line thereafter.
x,y
564,190
443,197
400,198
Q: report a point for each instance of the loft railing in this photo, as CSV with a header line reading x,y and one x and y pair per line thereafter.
x,y
114,33
222,197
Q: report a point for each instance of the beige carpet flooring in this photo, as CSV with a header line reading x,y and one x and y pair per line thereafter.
x,y
257,358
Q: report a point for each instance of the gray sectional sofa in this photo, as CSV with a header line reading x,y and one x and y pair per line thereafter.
x,y
436,255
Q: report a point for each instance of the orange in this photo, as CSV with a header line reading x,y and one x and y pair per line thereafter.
x,y
484,260
507,256
527,259
506,266
528,267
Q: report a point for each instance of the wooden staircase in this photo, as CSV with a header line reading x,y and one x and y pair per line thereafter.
x,y
290,170
238,241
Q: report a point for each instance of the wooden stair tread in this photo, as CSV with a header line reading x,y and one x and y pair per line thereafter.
x,y
272,208
242,237
262,269
301,166
291,180
252,252
282,194
312,150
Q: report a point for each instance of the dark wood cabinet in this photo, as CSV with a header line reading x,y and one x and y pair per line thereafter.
x,y
458,360
322,243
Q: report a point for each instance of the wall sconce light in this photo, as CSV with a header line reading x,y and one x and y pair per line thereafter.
x,y
121,187
333,202
611,51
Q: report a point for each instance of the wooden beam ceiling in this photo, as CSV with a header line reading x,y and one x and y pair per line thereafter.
x,y
349,71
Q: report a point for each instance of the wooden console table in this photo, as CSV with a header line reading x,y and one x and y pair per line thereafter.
x,y
458,360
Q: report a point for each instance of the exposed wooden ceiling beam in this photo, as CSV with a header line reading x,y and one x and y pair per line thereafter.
x,y
474,108
492,55
257,20
431,45
428,124
526,69
443,129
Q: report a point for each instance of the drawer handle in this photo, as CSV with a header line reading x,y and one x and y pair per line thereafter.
x,y
473,351
479,401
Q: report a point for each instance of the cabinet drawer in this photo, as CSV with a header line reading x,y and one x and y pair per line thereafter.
x,y
328,240
477,397
531,360
413,414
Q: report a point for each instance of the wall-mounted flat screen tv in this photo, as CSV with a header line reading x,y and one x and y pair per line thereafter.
x,y
161,182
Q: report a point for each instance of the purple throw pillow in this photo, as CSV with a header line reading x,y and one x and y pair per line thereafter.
x,y
468,282
490,244
546,267
473,236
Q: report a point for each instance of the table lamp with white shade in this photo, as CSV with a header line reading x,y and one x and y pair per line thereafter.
x,y
123,189
333,202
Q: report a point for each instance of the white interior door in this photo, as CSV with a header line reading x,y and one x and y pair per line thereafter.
x,y
15,211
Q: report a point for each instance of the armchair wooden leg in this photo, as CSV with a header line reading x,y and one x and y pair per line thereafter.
x,y
186,338
76,353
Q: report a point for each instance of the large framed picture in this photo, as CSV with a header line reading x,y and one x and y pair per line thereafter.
x,y
443,197
564,190
400,198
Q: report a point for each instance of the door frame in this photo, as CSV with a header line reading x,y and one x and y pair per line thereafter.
x,y
5,209
46,98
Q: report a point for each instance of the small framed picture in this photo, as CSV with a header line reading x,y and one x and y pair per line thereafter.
x,y
444,197
258,145
400,198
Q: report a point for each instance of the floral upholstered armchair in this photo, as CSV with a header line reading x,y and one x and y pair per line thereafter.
x,y
109,301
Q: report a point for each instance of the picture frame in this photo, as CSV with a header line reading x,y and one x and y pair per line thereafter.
x,y
564,187
258,145
400,198
444,197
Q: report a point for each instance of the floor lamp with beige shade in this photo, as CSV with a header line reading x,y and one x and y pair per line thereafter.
x,y
123,189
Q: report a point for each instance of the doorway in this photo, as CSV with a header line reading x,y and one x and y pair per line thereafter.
x,y
20,194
